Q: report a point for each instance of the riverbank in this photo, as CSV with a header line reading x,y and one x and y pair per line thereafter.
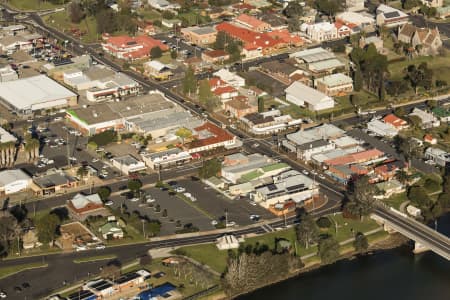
x,y
387,242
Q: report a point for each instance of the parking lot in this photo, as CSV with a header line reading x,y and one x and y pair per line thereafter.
x,y
173,41
277,87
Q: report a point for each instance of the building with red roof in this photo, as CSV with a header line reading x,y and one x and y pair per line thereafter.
x,y
354,158
252,40
286,37
130,48
252,23
208,137
395,121
225,92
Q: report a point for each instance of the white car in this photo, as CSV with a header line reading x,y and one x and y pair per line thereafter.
x,y
101,149
100,247
81,248
180,189
253,203
305,172
150,200
109,203
94,160
231,224
135,199
214,222
3,295
72,158
314,172
321,176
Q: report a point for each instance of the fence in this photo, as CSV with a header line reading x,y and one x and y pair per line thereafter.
x,y
203,293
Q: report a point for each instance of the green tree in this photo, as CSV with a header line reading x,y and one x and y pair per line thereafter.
x,y
104,192
293,10
210,168
329,7
221,40
183,133
76,12
47,228
155,52
173,54
189,81
360,243
419,197
307,232
82,172
205,95
362,197
357,79
260,104
328,250
134,185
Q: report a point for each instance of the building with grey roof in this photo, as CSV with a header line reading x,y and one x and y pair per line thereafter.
x,y
334,84
254,161
53,181
128,164
167,158
35,93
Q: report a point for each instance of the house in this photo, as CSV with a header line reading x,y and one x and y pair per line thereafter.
x,y
163,5
83,206
395,121
360,20
13,181
168,158
230,78
236,165
433,3
428,138
225,92
157,70
130,48
334,85
306,150
127,164
171,23
252,23
390,17
354,5
101,288
413,211
426,41
320,32
201,36
111,230
382,129
440,157
276,21
375,40
269,122
240,106
227,241
427,119
389,188
443,12
302,95
344,30
388,170
215,56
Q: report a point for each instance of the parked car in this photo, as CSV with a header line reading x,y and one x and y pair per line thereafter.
x,y
3,295
180,189
135,199
109,203
305,172
214,222
100,247
252,203
231,224
321,176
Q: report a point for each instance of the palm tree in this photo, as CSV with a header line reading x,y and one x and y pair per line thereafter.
x,y
32,148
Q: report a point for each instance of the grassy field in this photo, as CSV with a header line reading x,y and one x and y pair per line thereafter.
x,y
346,228
149,14
32,4
61,21
94,258
396,200
8,271
439,64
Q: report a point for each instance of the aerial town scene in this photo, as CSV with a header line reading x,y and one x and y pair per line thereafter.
x,y
224,149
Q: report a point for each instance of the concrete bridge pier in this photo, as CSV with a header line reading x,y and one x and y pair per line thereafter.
x,y
419,248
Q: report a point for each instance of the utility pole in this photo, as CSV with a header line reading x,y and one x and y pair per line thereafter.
x,y
226,217
68,152
143,227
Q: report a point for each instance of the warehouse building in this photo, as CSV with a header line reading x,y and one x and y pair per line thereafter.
x,y
35,93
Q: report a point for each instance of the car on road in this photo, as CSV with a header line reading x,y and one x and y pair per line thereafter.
x,y
254,217
314,172
321,176
214,222
109,203
252,203
231,224
255,145
25,285
81,248
100,247
180,189
135,199
101,149
94,160
305,172
3,295
57,119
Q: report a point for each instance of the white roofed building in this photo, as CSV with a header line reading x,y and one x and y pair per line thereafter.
x,y
230,78
13,181
128,164
320,32
35,93
303,95
334,84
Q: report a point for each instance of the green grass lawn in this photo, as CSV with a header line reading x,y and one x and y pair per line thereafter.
x,y
209,254
149,14
32,4
396,200
61,21
439,64
8,271
94,258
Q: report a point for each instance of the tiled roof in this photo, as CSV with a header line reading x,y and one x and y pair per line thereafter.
x,y
248,37
250,21
394,120
216,135
224,89
355,157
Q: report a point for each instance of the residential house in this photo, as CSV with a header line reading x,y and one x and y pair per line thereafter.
x,y
389,188
111,231
395,121
390,17
443,12
433,3
171,23
427,119
225,93
440,157
426,41
354,5
302,95
280,70
320,32
442,113
215,56
127,164
130,48
230,78
53,181
157,70
428,138
334,85
344,30
83,206
252,23
163,5
240,106
306,150
388,170
201,36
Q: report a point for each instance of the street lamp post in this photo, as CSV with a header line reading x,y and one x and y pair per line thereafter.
x,y
143,227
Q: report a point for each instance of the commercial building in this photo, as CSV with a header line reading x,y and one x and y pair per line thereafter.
x,y
127,164
7,73
13,181
303,95
165,159
230,78
362,21
35,93
335,84
157,70
52,181
395,121
201,36
280,70
237,165
227,242
81,207
252,23
382,129
269,122
209,137
215,56
240,106
320,32
428,119
130,48
390,17
318,60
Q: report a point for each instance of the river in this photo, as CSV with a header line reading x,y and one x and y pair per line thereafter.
x,y
392,274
